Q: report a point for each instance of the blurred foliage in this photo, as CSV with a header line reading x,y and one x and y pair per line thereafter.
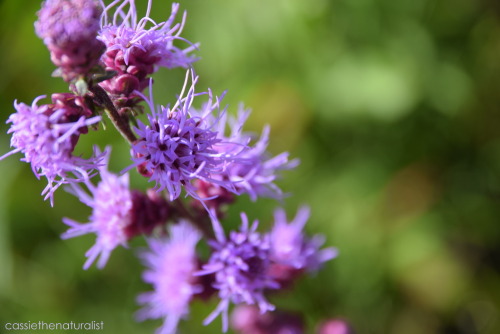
x,y
392,107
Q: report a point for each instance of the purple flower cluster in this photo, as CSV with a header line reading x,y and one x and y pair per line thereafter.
x,y
69,29
107,55
240,264
243,263
180,145
291,248
134,52
117,214
111,203
171,264
47,136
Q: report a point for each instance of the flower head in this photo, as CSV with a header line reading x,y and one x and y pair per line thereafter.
x,y
180,145
69,29
47,136
291,248
240,264
118,214
171,264
111,204
134,51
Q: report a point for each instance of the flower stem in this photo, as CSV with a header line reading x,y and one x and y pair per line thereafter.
x,y
120,123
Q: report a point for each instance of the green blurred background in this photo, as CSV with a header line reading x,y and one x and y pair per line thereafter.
x,y
392,107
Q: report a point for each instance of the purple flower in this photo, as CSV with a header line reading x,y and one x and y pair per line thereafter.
x,y
180,145
255,171
240,264
171,263
69,29
290,247
111,204
47,135
246,319
335,326
135,52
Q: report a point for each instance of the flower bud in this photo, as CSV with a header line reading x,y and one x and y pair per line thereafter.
x,y
69,30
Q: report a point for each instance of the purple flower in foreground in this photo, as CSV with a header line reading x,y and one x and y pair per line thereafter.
x,y
135,52
111,204
69,29
240,264
47,135
171,264
181,145
290,247
118,214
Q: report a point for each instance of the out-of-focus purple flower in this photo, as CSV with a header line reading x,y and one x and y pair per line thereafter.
x,y
255,170
335,326
180,145
171,264
135,52
69,30
111,204
290,247
118,214
240,264
47,136
247,319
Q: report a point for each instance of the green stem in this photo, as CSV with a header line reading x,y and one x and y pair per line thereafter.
x,y
120,123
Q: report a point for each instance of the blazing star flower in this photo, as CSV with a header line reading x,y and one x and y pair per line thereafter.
x,y
135,52
171,264
69,29
240,264
290,247
118,214
47,135
180,145
112,204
